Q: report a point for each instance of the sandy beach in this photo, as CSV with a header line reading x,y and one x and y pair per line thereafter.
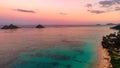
x,y
103,58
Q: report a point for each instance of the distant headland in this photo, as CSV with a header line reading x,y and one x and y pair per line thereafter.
x,y
110,24
117,27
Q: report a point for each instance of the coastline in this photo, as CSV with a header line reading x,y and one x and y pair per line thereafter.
x,y
103,58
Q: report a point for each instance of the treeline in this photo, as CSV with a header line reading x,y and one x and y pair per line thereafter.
x,y
112,43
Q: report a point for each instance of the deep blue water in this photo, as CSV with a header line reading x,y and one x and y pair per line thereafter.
x,y
66,47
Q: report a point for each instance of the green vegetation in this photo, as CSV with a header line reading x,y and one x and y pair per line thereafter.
x,y
112,43
11,26
115,59
40,26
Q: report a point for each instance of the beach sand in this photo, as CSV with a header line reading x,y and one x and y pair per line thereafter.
x,y
103,58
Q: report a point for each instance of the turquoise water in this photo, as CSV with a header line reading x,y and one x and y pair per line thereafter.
x,y
66,47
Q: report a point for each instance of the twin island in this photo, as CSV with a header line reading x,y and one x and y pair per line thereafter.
x,y
11,26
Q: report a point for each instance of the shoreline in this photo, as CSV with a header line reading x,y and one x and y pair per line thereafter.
x,y
103,58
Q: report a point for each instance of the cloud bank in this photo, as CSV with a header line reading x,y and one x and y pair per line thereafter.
x,y
62,13
104,6
96,11
24,10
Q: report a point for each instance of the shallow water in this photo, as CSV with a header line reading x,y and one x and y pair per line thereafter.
x,y
63,47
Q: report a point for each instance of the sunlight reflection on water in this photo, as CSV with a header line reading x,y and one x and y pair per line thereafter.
x,y
70,47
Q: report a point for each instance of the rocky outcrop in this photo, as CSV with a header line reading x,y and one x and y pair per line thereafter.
x,y
11,26
40,26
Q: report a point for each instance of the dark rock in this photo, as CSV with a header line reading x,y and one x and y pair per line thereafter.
x,y
40,26
117,27
5,27
11,26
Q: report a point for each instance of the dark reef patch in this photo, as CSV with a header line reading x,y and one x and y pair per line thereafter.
x,y
59,57
78,51
36,55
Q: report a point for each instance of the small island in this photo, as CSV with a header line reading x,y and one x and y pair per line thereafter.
x,y
111,42
11,26
40,26
117,27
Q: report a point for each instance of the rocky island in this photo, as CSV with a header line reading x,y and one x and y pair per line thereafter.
x,y
111,42
11,26
40,26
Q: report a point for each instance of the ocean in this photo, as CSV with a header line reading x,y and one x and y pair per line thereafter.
x,y
51,47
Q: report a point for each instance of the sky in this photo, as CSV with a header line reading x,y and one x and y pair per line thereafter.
x,y
59,12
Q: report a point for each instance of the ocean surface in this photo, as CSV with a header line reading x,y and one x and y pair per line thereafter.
x,y
51,47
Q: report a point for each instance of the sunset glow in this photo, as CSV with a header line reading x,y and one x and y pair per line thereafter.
x,y
57,12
